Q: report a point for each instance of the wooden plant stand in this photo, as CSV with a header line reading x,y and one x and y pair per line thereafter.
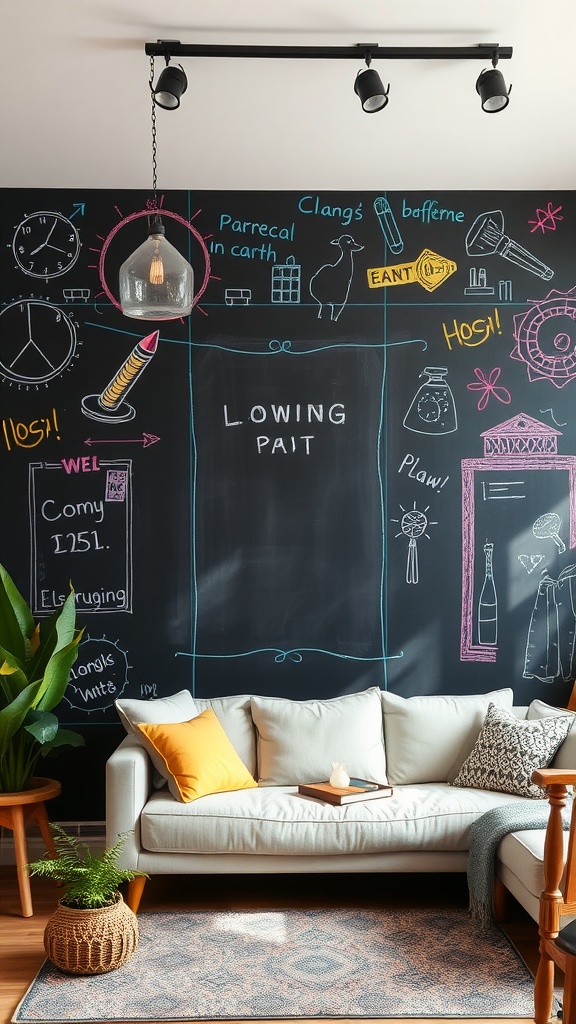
x,y
16,809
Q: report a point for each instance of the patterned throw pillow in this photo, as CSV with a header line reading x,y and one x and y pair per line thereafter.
x,y
509,749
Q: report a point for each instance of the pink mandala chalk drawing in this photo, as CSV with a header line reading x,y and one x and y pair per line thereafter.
x,y
561,367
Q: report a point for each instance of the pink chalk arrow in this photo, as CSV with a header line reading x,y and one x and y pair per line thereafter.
x,y
146,440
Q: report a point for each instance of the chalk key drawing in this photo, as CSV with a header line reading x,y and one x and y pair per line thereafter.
x,y
550,644
487,385
432,410
285,284
387,222
429,270
39,341
488,602
111,406
559,368
330,285
520,444
413,525
45,244
486,238
546,219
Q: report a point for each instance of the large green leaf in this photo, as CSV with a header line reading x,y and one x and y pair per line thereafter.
x,y
12,717
16,622
56,676
42,725
13,678
63,738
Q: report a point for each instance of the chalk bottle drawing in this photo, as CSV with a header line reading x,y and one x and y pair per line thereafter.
x,y
432,410
488,602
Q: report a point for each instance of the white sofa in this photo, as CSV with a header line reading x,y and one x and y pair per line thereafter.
x,y
422,746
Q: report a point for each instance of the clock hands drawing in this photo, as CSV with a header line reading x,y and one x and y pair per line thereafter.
x,y
46,244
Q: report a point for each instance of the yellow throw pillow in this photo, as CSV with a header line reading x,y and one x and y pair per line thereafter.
x,y
199,757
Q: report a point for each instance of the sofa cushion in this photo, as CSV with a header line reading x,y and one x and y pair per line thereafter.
x,y
277,820
198,757
565,756
298,741
508,750
179,707
429,737
235,717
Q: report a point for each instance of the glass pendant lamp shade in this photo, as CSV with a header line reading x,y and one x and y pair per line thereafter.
x,y
156,282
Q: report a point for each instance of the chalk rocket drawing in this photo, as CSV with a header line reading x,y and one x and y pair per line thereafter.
x,y
551,641
558,368
111,405
330,284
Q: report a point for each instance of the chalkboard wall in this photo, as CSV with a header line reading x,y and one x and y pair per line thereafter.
x,y
352,465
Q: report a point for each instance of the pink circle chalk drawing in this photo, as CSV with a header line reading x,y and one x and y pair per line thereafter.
x,y
560,368
146,213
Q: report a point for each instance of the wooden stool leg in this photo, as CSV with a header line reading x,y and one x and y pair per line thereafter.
x,y
544,987
44,825
21,854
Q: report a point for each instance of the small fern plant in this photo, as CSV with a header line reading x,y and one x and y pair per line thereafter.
x,y
89,881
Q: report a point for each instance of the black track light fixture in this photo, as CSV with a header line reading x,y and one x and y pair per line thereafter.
x,y
171,85
492,90
368,87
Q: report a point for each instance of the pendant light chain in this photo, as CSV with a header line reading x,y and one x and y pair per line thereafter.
x,y
153,123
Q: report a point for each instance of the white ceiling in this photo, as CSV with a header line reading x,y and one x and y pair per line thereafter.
x,y
75,106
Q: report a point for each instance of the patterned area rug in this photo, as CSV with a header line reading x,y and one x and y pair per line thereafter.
x,y
295,963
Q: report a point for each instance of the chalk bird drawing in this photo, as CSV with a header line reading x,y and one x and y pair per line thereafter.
x,y
331,283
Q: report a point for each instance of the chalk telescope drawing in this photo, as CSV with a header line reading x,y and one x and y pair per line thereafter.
x,y
111,405
330,285
285,282
39,341
99,675
413,525
513,448
432,410
559,368
486,238
547,527
488,601
551,640
387,222
46,244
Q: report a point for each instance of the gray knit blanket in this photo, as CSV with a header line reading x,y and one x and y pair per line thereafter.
x,y
485,835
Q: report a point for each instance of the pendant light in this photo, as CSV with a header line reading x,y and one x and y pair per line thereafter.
x,y
156,282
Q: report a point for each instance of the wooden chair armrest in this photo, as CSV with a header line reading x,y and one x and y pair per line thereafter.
x,y
554,776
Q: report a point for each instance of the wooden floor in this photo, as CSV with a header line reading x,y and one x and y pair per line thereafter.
x,y
22,953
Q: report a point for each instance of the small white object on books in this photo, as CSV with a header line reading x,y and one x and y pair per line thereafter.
x,y
339,778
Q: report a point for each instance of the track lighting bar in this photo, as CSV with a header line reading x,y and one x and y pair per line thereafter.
x,y
173,48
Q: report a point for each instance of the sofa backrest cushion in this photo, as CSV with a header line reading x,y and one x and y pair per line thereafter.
x,y
566,754
179,707
235,717
429,737
298,741
198,757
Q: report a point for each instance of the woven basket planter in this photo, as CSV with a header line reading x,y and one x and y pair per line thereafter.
x,y
91,941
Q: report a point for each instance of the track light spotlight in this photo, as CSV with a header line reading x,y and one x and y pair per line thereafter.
x,y
171,85
491,88
368,87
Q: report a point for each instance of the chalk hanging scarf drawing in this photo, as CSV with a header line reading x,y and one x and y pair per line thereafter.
x,y
551,641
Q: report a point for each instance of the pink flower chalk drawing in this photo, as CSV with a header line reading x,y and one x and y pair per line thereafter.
x,y
487,385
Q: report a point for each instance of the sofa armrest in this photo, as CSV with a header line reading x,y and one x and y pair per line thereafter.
x,y
128,786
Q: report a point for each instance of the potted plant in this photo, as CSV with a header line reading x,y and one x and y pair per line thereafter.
x,y
92,930
35,663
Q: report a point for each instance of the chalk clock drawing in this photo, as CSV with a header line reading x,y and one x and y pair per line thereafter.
x,y
558,368
39,341
519,444
46,244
